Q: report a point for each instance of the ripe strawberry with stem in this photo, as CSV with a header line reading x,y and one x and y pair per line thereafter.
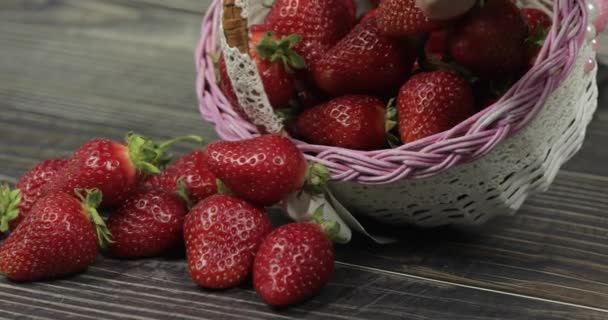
x,y
539,23
112,167
364,62
432,102
222,236
147,224
490,40
191,169
59,237
276,62
262,170
295,262
402,18
353,122
16,204
320,23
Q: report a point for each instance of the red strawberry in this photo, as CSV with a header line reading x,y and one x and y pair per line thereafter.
x,y
261,170
402,18
539,24
199,181
294,262
275,61
222,236
364,62
536,19
147,224
353,122
321,23
225,85
433,102
490,41
370,14
15,205
58,237
112,167
436,45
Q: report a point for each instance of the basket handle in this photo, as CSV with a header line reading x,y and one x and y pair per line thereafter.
x,y
235,26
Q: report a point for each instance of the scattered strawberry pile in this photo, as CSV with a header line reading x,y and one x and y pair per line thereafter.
x,y
392,77
211,201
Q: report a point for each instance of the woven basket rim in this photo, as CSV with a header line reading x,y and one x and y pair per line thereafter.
x,y
468,141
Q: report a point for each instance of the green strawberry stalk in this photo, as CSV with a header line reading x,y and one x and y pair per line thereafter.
x,y
281,50
149,156
391,125
331,228
317,177
91,200
9,211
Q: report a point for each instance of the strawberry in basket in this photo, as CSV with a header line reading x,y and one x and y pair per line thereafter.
x,y
365,61
490,40
275,60
321,23
539,24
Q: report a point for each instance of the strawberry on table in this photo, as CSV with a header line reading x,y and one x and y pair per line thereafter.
x,y
432,102
112,167
294,262
59,237
364,61
490,40
402,18
222,236
262,170
16,204
147,224
193,172
353,122
321,23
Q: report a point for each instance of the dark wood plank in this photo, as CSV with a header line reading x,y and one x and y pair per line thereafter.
x,y
73,70
155,289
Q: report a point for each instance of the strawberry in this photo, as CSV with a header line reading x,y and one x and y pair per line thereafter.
x,y
147,224
112,167
353,122
294,262
321,23
222,236
536,19
433,102
275,61
16,204
490,41
59,237
436,45
364,62
225,85
539,24
261,170
402,18
191,169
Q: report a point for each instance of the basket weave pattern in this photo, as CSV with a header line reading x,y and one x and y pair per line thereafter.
x,y
499,156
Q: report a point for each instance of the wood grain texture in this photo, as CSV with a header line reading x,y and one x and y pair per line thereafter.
x,y
71,70
161,289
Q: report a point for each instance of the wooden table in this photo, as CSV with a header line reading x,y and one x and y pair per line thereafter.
x,y
71,70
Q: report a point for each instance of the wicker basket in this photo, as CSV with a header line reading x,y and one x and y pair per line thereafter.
x,y
485,167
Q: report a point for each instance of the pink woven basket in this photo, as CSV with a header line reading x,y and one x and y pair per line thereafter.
x,y
442,153
466,142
